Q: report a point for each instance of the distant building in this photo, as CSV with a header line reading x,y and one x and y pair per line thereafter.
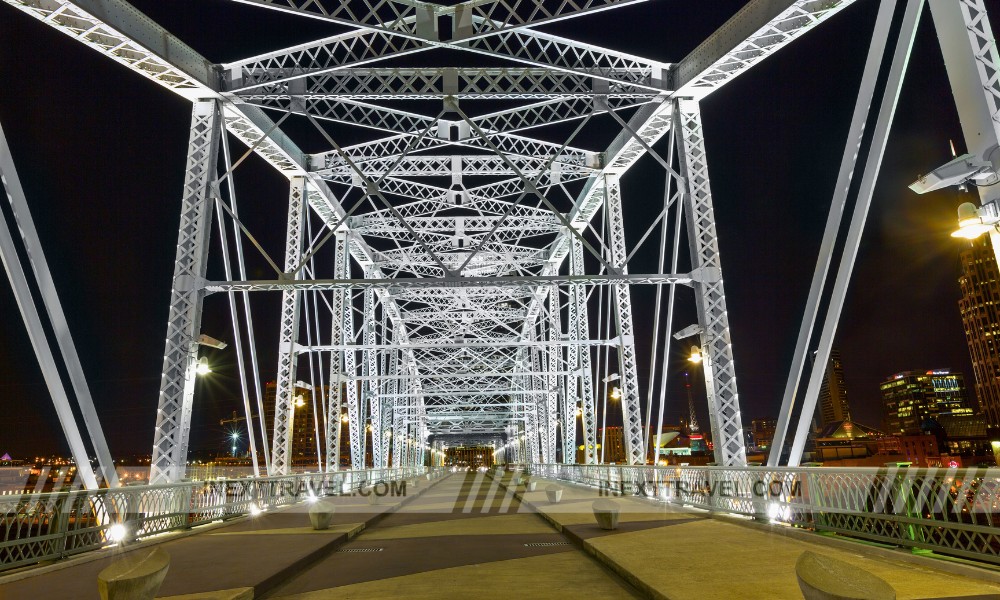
x,y
613,441
847,440
833,405
921,450
980,309
303,424
762,432
912,397
469,456
971,437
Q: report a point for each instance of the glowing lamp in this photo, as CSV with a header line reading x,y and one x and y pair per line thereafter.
x,y
202,367
695,355
970,224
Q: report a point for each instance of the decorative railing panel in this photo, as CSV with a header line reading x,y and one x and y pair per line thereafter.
x,y
949,511
48,526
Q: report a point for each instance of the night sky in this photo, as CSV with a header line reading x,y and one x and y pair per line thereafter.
x,y
100,152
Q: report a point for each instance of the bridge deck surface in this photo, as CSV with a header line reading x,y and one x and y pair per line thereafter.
x,y
467,535
674,553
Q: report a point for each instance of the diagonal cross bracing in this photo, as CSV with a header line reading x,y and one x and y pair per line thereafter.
x,y
504,346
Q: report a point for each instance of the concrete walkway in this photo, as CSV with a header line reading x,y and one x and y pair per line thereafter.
x,y
465,538
243,558
670,552
469,535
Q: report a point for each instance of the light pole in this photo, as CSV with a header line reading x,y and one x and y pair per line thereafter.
x,y
235,437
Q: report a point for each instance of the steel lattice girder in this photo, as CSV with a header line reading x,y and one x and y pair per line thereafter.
x,y
567,79
462,83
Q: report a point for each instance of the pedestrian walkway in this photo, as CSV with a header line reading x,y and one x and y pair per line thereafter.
x,y
467,537
677,553
470,535
249,555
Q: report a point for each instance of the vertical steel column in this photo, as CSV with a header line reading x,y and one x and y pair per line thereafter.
x,y
720,374
556,398
284,407
355,427
635,453
531,432
540,399
391,385
369,370
180,356
580,329
339,381
973,63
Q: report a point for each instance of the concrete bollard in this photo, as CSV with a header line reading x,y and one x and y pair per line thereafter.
x,y
135,577
553,493
531,486
824,578
321,514
606,512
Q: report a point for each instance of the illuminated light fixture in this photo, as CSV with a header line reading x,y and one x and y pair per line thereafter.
x,y
202,367
579,412
970,224
117,533
235,435
255,510
616,393
774,511
300,401
696,356
343,419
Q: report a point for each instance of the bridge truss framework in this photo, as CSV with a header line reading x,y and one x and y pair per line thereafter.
x,y
468,247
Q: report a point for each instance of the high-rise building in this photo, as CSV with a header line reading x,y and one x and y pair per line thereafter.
x,y
613,444
762,432
980,308
833,405
303,429
911,397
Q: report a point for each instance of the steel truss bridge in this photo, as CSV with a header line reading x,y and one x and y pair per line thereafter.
x,y
480,288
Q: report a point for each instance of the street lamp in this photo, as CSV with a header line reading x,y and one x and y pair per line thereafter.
x,y
974,222
696,356
202,367
616,393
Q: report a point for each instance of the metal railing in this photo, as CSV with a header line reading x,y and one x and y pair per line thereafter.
x,y
954,512
48,526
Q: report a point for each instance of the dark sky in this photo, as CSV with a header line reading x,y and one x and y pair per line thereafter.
x,y
100,152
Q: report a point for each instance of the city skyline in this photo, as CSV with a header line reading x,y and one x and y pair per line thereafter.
x,y
109,232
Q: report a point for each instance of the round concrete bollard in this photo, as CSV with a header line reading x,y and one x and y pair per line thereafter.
x,y
136,577
532,486
825,578
606,512
321,514
553,493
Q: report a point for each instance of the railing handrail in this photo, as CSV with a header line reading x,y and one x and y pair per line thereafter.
x,y
763,468
946,510
51,525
